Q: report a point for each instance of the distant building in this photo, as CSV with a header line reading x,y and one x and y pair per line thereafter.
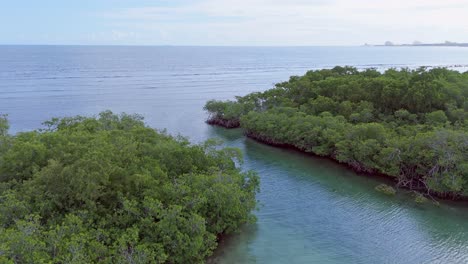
x,y
388,43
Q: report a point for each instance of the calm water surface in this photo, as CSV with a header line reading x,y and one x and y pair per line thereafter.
x,y
311,210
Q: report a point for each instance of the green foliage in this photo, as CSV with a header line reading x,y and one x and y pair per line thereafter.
x,y
4,125
384,188
436,118
226,113
419,198
408,124
112,190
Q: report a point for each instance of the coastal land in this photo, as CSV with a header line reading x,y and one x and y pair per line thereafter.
x,y
420,44
407,124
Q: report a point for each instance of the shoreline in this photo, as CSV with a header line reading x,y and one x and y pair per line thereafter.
x,y
370,173
223,123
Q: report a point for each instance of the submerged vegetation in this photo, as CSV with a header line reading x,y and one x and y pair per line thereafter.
x,y
112,190
407,124
384,188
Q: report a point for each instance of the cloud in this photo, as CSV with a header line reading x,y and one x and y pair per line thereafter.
x,y
295,22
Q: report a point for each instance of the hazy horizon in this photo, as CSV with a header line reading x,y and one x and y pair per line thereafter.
x,y
232,22
234,46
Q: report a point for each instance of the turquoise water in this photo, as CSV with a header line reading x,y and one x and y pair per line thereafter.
x,y
315,211
311,210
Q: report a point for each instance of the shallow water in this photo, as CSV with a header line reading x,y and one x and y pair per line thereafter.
x,y
311,210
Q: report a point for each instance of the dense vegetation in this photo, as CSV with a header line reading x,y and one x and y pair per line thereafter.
x,y
408,124
112,190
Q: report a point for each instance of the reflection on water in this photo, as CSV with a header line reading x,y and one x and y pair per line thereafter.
x,y
316,211
311,210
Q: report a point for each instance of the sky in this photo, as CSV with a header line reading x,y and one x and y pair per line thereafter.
x,y
232,22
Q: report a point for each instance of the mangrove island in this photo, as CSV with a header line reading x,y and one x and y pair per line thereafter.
x,y
406,124
109,189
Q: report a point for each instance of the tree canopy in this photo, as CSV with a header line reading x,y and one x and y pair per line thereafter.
x,y
408,124
109,189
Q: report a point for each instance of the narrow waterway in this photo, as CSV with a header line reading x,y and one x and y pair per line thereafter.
x,y
311,210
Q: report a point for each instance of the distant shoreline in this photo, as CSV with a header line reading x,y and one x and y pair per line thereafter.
x,y
425,45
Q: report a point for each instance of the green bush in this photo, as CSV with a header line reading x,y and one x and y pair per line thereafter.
x,y
419,198
112,190
408,124
384,188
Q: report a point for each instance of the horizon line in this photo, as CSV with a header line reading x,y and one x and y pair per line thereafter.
x,y
226,46
180,45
